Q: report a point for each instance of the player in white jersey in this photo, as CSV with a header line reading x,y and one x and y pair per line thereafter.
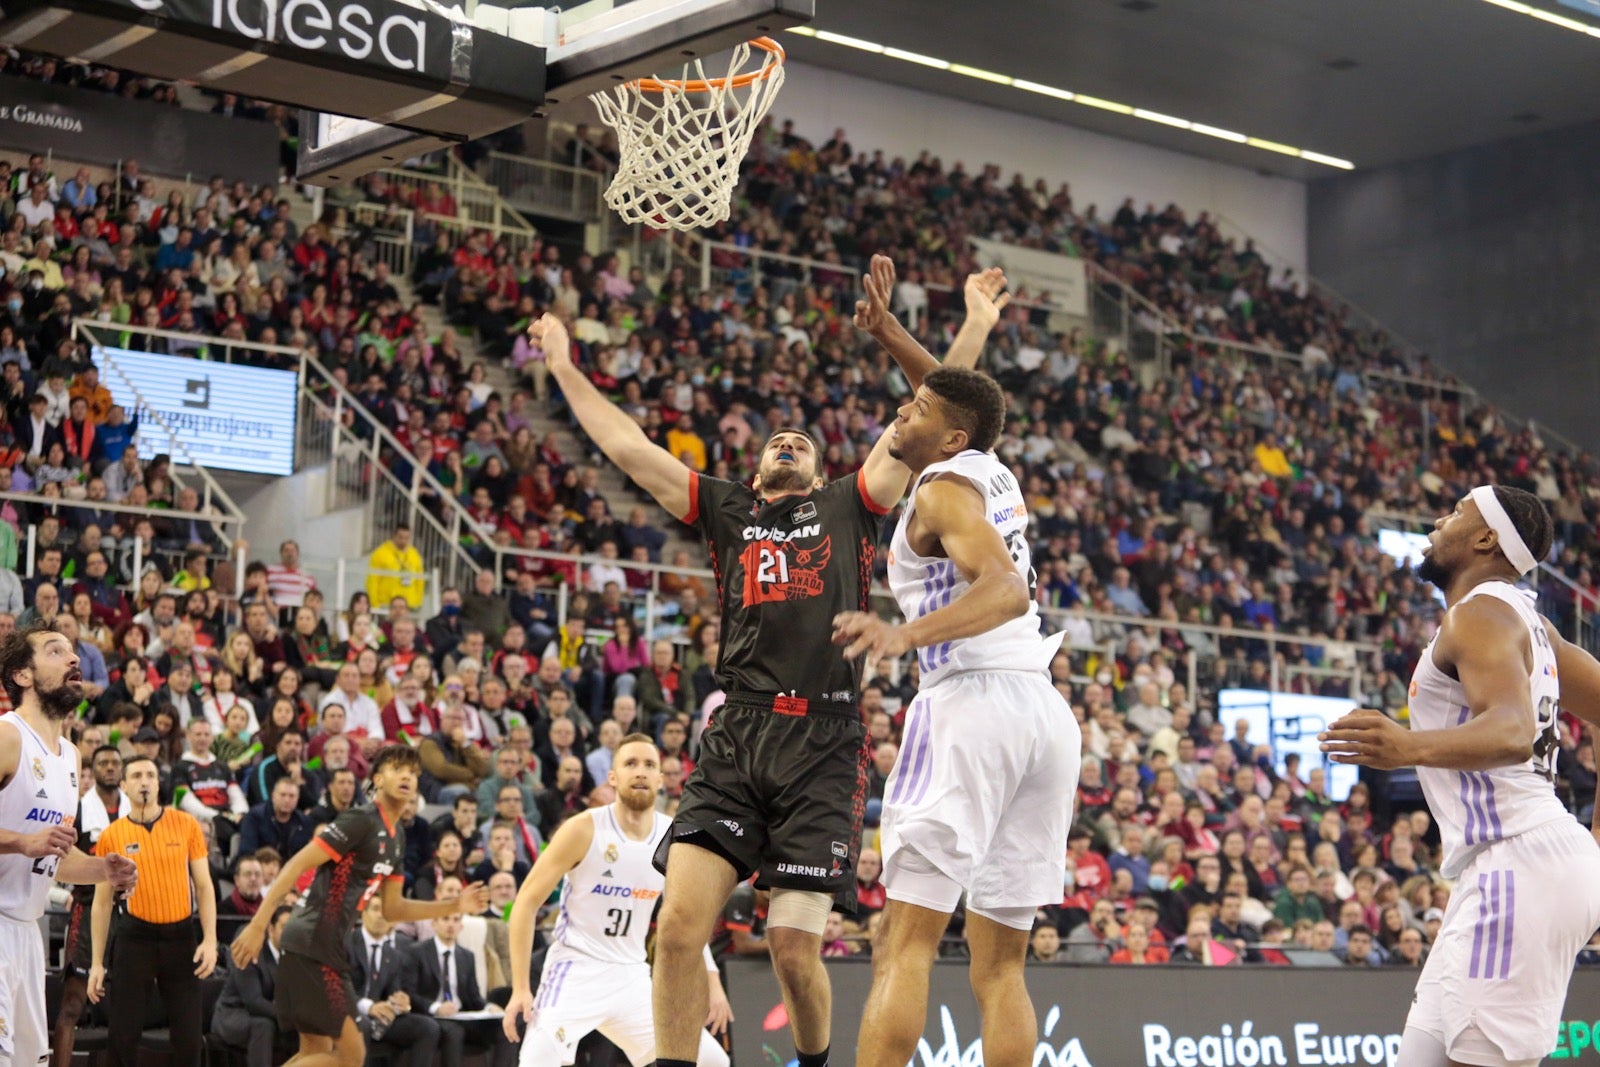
x,y
38,844
596,975
981,796
1484,738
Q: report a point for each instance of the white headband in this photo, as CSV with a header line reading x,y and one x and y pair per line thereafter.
x,y
1511,542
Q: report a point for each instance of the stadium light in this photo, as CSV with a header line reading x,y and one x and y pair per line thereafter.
x,y
1143,114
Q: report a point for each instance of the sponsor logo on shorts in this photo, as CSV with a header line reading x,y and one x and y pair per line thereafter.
x,y
732,827
611,853
840,849
801,868
625,891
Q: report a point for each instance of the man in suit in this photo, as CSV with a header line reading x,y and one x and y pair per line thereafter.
x,y
245,1017
383,1008
441,978
35,433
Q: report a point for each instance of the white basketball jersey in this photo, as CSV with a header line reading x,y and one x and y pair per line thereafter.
x,y
1478,808
924,584
42,793
608,898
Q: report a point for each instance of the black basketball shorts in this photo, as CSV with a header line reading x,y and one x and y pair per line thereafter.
x,y
312,997
779,791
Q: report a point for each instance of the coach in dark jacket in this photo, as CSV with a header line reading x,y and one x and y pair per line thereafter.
x,y
245,1017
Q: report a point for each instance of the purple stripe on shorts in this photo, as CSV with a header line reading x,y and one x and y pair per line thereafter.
x,y
1466,804
1466,713
902,766
561,980
1492,936
918,785
907,768
926,776
1477,929
1511,915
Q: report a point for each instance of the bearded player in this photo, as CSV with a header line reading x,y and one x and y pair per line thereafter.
x,y
38,845
1486,697
596,976
781,785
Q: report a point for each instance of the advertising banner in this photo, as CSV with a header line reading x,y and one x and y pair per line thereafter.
x,y
228,416
1049,278
1144,1016
94,127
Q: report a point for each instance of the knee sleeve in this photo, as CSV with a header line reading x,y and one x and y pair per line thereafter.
x,y
799,909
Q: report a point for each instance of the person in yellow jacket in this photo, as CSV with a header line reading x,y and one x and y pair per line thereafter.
x,y
393,564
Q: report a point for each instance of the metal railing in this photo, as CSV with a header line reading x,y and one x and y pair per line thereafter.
x,y
540,187
211,494
369,468
127,556
748,269
479,205
382,233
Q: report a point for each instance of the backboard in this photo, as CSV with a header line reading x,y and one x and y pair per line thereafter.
x,y
585,49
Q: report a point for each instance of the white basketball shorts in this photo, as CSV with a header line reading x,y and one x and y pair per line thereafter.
x,y
579,996
24,1030
1496,980
982,795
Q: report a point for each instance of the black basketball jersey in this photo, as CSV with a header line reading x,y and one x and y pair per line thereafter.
x,y
784,569
365,851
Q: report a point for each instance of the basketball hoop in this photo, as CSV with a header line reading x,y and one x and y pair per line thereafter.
x,y
681,141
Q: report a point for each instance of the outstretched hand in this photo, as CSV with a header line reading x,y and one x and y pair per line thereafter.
x,y
1368,738
986,296
550,334
873,314
863,632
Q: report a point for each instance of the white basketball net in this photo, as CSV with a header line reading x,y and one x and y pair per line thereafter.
x,y
680,147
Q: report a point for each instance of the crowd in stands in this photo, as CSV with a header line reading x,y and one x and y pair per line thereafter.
x,y
1225,493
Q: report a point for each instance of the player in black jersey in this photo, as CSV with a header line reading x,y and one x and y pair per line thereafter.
x,y
781,784
361,852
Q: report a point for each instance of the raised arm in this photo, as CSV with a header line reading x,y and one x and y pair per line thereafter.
x,y
984,299
619,437
953,510
1486,644
565,851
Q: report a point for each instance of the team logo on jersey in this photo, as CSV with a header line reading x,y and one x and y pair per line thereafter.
x,y
804,513
775,570
38,768
561,1035
611,853
5,1031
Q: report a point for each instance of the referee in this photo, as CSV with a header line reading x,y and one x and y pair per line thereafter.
x,y
156,935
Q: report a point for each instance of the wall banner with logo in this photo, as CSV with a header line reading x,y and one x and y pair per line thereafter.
x,y
86,126
1145,1016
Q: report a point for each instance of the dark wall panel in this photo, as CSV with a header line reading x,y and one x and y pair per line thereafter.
x,y
1488,259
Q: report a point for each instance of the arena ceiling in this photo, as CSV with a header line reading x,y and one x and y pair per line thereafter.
x,y
1368,81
